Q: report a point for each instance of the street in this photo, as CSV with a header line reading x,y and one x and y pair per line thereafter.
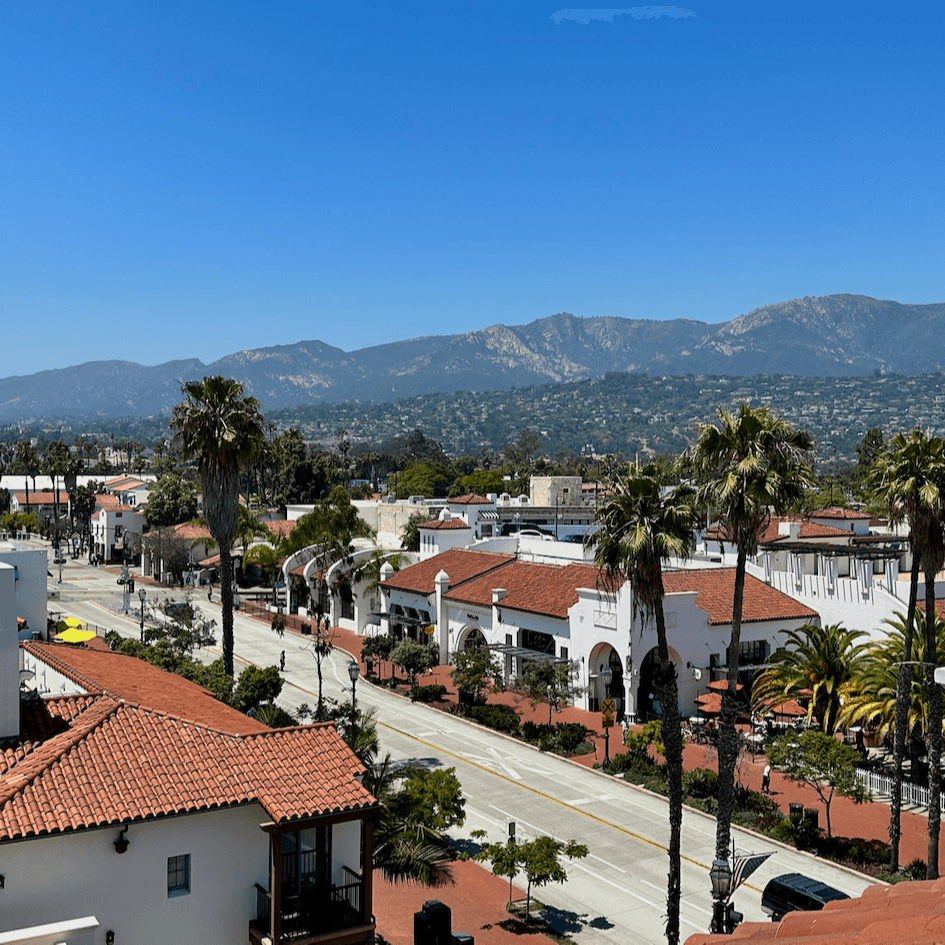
x,y
616,894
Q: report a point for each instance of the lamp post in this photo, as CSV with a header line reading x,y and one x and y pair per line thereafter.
x,y
724,917
353,676
606,674
142,594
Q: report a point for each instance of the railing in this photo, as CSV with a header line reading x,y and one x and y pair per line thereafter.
x,y
913,795
315,910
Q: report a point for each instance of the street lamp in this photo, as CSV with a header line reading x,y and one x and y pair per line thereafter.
x,y
353,673
142,594
724,917
607,674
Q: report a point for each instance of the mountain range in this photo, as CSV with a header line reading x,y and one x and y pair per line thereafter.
x,y
827,336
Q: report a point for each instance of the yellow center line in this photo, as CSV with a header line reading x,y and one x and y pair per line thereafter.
x,y
556,800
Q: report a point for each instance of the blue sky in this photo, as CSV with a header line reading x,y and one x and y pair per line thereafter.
x,y
192,179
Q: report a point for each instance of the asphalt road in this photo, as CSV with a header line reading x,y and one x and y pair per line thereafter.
x,y
616,894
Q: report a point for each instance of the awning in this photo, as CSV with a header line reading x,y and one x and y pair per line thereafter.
x,y
522,653
488,516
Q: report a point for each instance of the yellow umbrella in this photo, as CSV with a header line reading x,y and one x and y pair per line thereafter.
x,y
70,622
74,635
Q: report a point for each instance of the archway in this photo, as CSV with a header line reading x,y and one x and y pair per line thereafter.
x,y
471,638
605,655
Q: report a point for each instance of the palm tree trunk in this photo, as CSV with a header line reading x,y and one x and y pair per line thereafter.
x,y
728,737
934,697
903,684
226,599
672,743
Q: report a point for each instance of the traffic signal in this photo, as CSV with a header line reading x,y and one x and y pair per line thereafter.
x,y
732,918
131,585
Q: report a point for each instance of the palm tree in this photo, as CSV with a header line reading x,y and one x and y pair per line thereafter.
x,y
874,700
222,430
641,525
752,465
907,479
824,660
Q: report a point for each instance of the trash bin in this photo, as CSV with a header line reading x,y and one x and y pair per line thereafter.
x,y
306,629
795,812
812,817
441,922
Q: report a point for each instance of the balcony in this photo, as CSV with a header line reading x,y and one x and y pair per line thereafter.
x,y
315,915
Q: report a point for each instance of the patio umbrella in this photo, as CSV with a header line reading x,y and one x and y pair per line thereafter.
x,y
710,703
722,684
788,708
75,635
70,622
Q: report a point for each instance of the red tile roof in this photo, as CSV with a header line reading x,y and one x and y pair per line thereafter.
x,y
444,525
471,499
715,589
42,498
124,677
546,589
907,912
458,563
122,753
770,532
104,499
842,514
281,527
191,532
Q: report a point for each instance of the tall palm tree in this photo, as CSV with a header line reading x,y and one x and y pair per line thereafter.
x,y
752,465
222,430
641,526
908,479
824,660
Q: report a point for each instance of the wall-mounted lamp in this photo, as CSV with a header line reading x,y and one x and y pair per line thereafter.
x,y
121,844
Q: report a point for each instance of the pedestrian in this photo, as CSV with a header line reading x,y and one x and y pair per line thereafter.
x,y
624,727
766,779
210,593
282,661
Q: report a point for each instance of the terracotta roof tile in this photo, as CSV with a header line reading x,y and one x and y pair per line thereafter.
x,y
715,589
444,525
459,564
842,514
546,589
770,532
191,532
42,498
471,499
117,762
281,527
908,912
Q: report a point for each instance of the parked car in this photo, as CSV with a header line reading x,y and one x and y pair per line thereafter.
x,y
794,892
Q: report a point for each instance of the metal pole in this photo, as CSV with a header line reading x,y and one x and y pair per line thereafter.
x,y
607,746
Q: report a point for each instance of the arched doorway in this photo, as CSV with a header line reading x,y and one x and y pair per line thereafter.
x,y
471,638
601,656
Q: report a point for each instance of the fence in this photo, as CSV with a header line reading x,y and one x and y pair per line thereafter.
x,y
913,795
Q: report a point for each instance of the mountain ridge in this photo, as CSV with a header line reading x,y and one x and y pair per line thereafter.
x,y
815,336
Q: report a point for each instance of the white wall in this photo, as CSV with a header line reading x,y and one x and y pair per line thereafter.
x,y
31,565
80,874
9,657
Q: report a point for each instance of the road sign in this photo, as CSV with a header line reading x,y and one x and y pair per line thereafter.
x,y
608,707
607,721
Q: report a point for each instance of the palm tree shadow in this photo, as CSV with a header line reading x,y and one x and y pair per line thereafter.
x,y
566,921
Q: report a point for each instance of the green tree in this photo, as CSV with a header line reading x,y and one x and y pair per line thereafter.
x,y
554,683
823,660
377,648
331,526
907,479
821,762
83,508
171,500
414,658
476,671
751,465
420,479
256,686
432,797
25,463
56,464
539,859
410,538
642,524
222,430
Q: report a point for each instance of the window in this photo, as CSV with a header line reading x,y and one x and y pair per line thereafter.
x,y
178,875
751,652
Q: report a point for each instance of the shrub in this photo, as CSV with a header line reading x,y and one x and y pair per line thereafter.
x,y
533,731
569,736
503,718
701,783
427,693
